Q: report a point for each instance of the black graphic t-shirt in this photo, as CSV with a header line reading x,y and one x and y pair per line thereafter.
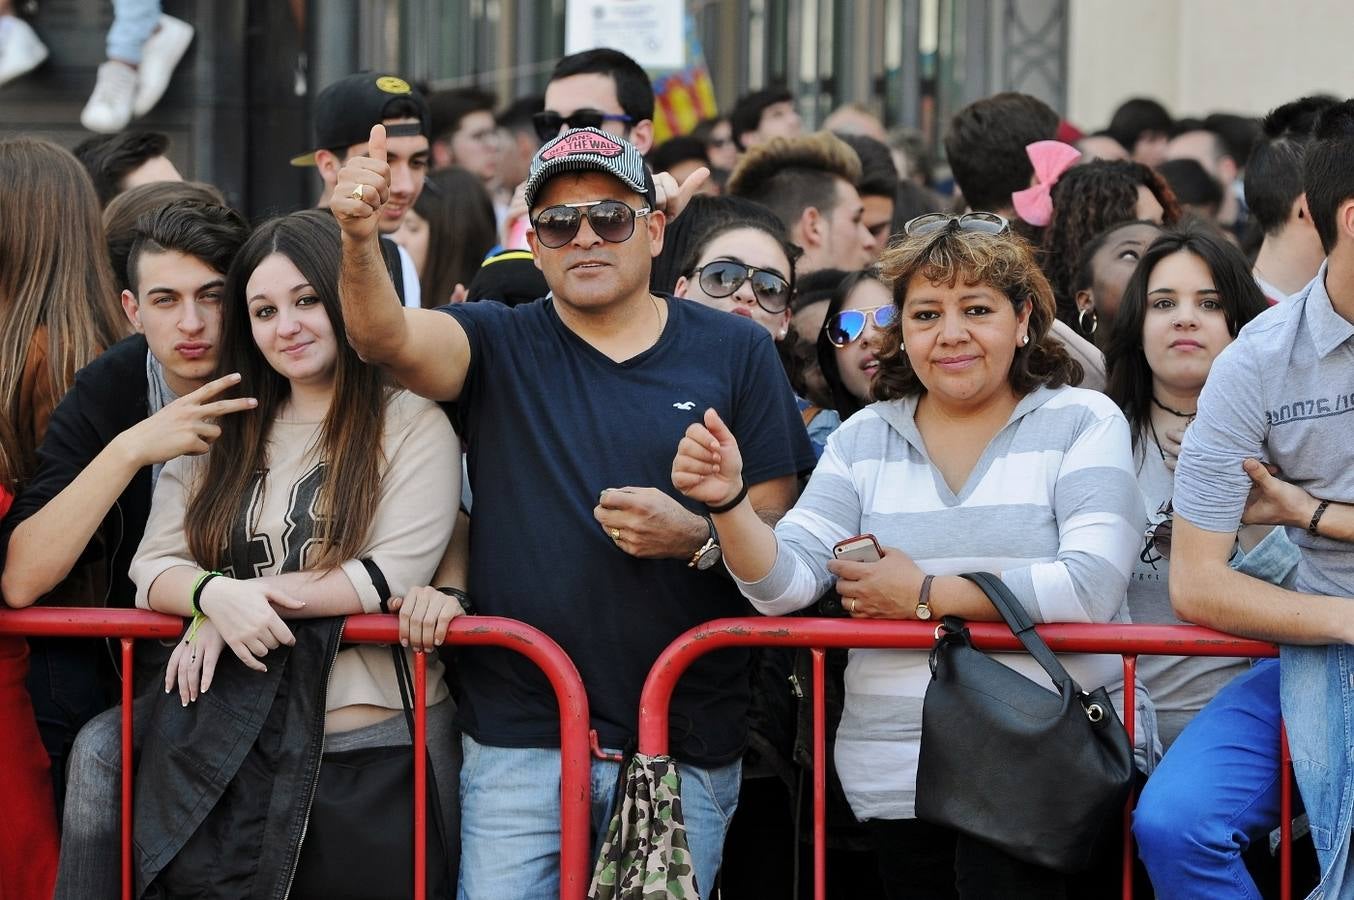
x,y
550,422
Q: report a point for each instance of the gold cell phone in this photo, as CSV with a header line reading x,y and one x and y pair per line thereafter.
x,y
861,548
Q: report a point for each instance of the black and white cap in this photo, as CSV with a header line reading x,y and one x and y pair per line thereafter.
x,y
590,150
345,111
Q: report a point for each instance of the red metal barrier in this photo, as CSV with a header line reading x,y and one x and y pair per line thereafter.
x,y
575,766
1129,641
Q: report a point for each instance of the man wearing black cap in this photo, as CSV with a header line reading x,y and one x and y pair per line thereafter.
x,y
572,406
344,113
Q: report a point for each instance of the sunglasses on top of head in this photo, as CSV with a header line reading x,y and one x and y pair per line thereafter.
x,y
723,277
849,324
611,220
934,223
549,123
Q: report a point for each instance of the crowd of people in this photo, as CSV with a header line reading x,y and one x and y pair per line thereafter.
x,y
524,363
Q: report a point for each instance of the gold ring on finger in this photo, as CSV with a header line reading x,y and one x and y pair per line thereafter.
x,y
615,534
853,606
357,192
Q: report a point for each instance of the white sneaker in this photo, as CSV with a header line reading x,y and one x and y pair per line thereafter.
x,y
110,106
159,56
21,51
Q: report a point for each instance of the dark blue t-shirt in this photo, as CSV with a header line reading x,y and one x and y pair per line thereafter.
x,y
550,422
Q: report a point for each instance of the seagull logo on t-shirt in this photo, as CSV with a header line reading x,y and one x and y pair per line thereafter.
x,y
687,405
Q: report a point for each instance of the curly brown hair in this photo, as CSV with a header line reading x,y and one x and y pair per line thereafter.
x,y
1086,200
1003,262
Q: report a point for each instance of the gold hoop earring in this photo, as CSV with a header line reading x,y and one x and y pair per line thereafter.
x,y
1081,321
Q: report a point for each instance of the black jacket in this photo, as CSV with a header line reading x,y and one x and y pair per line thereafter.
x,y
108,397
224,785
390,252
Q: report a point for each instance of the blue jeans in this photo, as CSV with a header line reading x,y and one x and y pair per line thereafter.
x,y
134,22
91,858
1215,791
510,818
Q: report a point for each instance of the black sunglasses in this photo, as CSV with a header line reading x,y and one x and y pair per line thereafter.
x,y
549,123
934,223
723,278
611,220
849,324
1157,537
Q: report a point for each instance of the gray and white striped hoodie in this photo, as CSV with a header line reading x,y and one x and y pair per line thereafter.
x,y
1052,505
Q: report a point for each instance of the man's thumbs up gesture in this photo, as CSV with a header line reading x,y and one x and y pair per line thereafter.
x,y
362,189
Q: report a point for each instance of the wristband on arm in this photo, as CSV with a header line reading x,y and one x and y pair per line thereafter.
x,y
738,498
461,597
195,598
1316,517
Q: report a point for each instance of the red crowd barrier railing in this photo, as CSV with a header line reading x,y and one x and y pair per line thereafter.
x,y
1129,641
130,625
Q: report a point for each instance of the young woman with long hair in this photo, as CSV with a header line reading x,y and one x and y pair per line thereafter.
x,y
58,310
58,305
334,494
1189,298
1190,295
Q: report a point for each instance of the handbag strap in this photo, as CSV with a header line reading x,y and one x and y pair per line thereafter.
x,y
403,678
1022,626
405,681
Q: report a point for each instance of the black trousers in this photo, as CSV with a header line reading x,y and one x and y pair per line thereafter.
x,y
70,681
921,861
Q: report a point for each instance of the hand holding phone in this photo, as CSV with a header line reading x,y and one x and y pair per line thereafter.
x,y
861,548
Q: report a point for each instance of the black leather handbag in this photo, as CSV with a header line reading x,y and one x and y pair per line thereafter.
x,y
364,805
1042,775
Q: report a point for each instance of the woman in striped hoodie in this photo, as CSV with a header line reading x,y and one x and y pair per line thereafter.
x,y
976,457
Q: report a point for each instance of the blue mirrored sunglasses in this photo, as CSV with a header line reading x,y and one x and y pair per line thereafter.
x,y
849,324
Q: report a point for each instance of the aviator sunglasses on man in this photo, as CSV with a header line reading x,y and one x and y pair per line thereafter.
x,y
723,277
549,123
611,220
849,324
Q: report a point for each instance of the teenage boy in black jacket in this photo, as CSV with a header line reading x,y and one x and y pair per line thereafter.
x,y
73,529
77,523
